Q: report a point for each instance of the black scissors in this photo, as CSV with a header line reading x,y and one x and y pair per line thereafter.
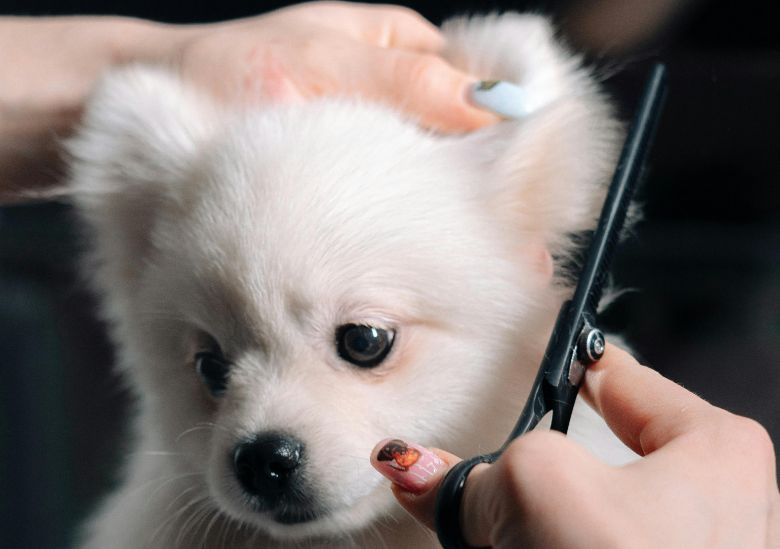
x,y
576,342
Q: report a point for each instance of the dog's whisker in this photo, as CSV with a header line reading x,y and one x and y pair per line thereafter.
x,y
154,481
192,527
202,426
183,493
157,453
228,525
193,518
205,537
186,490
171,520
191,430
213,425
201,527
172,479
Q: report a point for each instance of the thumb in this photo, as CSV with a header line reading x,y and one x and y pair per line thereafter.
x,y
427,87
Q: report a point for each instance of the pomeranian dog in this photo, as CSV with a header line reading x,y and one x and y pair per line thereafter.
x,y
289,285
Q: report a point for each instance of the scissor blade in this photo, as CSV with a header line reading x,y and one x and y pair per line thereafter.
x,y
552,389
584,303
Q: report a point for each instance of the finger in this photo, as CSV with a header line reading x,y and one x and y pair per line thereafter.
x,y
530,491
428,88
501,500
403,28
415,484
644,409
424,86
385,26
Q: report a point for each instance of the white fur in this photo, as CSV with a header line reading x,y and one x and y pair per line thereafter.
x,y
269,227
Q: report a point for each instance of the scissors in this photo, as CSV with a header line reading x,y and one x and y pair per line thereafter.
x,y
576,342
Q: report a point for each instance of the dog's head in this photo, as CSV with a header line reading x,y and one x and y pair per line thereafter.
x,y
288,286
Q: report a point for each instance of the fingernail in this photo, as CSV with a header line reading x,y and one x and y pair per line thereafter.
x,y
410,466
502,98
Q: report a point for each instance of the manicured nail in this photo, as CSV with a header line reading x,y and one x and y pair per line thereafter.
x,y
502,98
410,466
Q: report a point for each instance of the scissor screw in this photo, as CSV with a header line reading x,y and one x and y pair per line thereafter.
x,y
591,345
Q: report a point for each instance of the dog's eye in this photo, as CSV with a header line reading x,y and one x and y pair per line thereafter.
x,y
213,369
363,346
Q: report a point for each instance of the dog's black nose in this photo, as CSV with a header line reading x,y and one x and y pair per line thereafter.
x,y
266,465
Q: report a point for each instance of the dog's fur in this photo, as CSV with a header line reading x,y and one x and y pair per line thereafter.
x,y
266,228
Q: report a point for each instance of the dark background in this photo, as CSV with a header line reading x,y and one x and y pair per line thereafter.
x,y
704,263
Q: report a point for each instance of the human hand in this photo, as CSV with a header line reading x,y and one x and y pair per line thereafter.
x,y
387,54
707,480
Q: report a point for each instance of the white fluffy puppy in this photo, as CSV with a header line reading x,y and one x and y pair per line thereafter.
x,y
289,285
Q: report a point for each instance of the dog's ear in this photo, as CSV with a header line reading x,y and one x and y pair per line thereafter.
x,y
547,173
140,136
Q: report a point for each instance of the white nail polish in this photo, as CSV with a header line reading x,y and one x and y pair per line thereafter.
x,y
502,98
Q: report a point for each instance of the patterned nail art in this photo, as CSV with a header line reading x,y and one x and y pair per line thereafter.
x,y
485,85
408,465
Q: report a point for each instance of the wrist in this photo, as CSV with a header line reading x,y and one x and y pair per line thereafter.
x,y
50,67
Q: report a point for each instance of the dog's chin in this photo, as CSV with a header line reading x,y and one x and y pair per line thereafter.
x,y
300,522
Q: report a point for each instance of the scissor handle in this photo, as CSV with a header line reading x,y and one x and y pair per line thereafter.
x,y
448,500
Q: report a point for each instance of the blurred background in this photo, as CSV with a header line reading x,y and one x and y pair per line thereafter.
x,y
703,266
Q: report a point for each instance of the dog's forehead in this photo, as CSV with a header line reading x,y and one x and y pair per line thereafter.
x,y
334,185
334,199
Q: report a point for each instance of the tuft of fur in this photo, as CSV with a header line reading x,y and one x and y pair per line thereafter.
x,y
265,228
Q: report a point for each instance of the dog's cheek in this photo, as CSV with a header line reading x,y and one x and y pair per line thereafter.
x,y
176,409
